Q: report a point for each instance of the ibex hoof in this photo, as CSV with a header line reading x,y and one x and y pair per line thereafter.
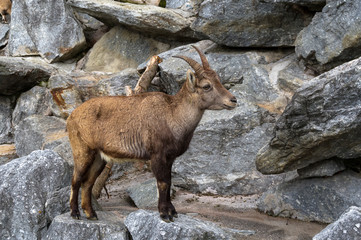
x,y
91,216
166,218
75,214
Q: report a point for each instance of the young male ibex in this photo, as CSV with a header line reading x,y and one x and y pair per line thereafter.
x,y
5,9
150,126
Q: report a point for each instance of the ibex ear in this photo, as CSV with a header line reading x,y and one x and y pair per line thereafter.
x,y
191,81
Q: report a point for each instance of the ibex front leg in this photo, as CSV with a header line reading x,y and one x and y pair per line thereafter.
x,y
162,171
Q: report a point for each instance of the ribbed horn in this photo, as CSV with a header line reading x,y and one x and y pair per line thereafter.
x,y
196,66
203,58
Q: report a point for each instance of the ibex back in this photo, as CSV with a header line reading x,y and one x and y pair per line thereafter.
x,y
150,126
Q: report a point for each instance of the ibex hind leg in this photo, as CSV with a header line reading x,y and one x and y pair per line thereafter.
x,y
83,159
87,185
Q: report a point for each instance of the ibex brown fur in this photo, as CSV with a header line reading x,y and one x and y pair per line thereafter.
x,y
150,126
5,9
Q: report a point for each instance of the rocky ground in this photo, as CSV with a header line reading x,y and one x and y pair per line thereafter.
x,y
236,212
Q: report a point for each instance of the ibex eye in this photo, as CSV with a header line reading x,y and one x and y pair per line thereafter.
x,y
207,87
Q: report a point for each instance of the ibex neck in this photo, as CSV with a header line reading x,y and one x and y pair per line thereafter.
x,y
186,113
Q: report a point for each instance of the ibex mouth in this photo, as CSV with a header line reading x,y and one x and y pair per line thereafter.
x,y
229,107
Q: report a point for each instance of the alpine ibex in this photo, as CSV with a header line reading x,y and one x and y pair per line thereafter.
x,y
5,8
149,126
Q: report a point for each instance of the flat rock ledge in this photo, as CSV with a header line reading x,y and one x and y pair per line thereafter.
x,y
138,225
109,226
148,225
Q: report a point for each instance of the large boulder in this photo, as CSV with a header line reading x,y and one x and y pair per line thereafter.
x,y
110,226
346,227
321,122
70,90
120,48
148,225
313,199
18,75
333,37
250,24
39,132
25,185
145,18
46,28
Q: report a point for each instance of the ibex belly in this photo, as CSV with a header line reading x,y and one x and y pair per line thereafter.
x,y
108,158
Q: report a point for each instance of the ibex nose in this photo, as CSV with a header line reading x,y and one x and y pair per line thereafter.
x,y
234,99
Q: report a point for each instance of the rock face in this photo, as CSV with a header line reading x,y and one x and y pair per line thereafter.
x,y
120,48
25,185
110,226
45,28
19,75
34,101
333,37
144,18
4,34
252,23
38,132
313,199
346,227
322,121
6,131
148,225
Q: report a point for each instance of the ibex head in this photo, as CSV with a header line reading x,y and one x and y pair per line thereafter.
x,y
206,86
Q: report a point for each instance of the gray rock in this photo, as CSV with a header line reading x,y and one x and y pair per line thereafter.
x,y
46,28
313,199
4,34
148,225
120,48
110,226
333,37
144,18
70,90
34,101
144,195
186,5
322,121
250,24
292,76
18,75
326,168
114,86
37,133
347,227
6,108
25,185
314,5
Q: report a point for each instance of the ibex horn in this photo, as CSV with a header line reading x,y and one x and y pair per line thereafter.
x,y
203,58
196,66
